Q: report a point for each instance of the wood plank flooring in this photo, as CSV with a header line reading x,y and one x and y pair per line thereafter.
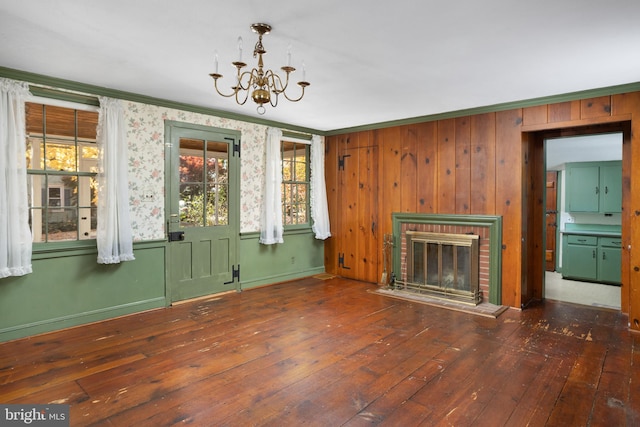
x,y
331,353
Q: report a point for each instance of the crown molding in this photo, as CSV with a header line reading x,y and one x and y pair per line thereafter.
x,y
134,97
88,89
553,99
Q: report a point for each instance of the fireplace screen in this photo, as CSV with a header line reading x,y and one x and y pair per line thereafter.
x,y
443,265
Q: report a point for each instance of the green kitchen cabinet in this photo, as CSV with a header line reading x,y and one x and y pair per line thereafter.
x,y
594,187
592,258
579,257
609,259
611,187
583,187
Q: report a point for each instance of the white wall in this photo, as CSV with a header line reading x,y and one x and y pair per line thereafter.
x,y
588,148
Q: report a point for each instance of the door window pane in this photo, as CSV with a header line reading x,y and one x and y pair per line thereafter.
x,y
191,205
203,165
218,181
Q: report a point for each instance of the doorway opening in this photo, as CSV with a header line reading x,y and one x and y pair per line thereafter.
x,y
563,222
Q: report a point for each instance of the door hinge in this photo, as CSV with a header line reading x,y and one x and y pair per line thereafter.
x,y
341,161
235,274
341,262
236,146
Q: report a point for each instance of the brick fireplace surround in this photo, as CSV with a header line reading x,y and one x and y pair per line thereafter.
x,y
489,228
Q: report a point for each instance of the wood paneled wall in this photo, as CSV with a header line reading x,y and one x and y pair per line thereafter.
x,y
486,164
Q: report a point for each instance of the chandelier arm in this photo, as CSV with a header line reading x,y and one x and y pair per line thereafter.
x,y
252,78
271,100
246,95
215,85
301,94
275,81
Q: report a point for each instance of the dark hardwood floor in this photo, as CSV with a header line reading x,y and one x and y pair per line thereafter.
x,y
331,353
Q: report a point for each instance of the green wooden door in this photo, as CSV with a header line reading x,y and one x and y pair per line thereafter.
x,y
611,188
583,184
203,208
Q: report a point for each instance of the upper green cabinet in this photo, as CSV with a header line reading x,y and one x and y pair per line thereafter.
x,y
583,187
611,187
594,187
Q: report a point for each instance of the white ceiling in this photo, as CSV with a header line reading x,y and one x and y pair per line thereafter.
x,y
368,61
587,148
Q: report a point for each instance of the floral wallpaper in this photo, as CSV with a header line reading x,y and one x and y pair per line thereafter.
x,y
145,135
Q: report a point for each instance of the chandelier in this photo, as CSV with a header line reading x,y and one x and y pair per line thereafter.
x,y
265,85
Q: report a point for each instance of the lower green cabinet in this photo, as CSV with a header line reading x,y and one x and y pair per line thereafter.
x,y
592,258
579,257
609,260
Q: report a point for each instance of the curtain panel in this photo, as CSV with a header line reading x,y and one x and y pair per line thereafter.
x,y
114,235
15,234
319,207
271,227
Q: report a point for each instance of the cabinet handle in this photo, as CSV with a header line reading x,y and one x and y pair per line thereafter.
x,y
594,254
606,189
604,256
597,190
582,240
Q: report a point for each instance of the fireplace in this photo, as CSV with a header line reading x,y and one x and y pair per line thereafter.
x,y
465,257
443,265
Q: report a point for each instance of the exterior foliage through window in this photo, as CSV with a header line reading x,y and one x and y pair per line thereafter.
x,y
295,183
61,170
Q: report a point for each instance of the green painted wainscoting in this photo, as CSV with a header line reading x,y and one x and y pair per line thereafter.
x,y
300,255
70,288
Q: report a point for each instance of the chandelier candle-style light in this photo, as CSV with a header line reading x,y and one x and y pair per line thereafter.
x,y
265,85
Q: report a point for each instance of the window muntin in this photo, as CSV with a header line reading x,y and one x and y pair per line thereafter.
x,y
295,183
61,159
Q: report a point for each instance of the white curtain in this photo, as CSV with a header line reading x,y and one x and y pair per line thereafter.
x,y
271,219
319,208
15,234
114,237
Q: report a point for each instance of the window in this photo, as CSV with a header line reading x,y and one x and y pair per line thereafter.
x,y
295,183
61,166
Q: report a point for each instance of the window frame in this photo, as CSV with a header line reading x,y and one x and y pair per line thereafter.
x,y
64,100
307,145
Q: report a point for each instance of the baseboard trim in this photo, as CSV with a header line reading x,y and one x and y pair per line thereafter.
x,y
77,319
276,278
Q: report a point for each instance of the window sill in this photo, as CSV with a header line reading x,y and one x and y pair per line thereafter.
x,y
58,249
289,230
81,247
